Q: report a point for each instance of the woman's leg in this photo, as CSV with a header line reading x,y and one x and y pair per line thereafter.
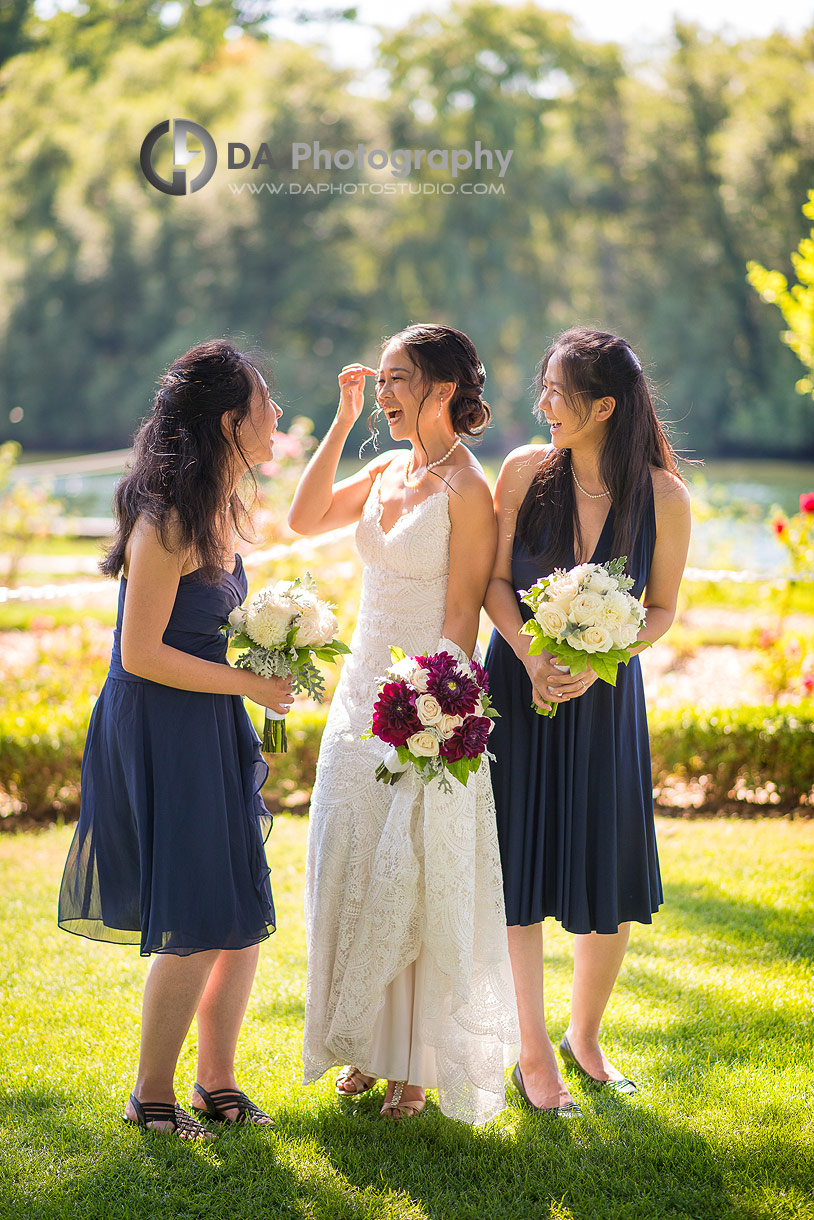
x,y
597,960
220,1016
538,1064
172,991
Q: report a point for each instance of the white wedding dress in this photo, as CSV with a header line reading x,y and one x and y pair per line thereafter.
x,y
408,966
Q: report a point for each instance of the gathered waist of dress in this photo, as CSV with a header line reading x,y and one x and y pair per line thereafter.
x,y
205,647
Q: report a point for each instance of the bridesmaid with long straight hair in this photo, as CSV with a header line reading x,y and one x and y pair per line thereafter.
x,y
168,854
574,792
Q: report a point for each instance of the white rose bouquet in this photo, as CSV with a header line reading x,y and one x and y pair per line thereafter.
x,y
586,618
435,714
283,628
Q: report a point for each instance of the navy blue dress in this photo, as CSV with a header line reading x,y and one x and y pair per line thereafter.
x,y
574,793
169,850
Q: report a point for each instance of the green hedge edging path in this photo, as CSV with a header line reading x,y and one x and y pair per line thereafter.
x,y
711,1017
766,754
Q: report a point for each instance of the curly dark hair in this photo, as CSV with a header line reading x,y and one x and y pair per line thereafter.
x,y
594,364
182,467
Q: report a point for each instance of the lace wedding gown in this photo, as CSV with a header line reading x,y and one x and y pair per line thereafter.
x,y
408,968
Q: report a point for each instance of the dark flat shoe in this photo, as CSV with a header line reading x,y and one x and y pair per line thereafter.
x,y
571,1110
183,1124
622,1085
221,1100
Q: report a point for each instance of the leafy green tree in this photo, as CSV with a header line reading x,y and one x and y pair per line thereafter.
x,y
796,303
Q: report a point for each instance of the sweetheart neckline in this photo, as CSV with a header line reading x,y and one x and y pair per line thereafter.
x,y
380,509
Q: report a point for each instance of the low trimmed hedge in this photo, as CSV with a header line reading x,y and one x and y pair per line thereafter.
x,y
745,760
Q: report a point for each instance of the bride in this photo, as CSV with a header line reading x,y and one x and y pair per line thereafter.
x,y
408,971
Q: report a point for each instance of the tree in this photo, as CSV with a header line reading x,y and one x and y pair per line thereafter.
x,y
796,303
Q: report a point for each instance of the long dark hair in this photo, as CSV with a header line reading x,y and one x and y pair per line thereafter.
x,y
442,353
182,467
594,364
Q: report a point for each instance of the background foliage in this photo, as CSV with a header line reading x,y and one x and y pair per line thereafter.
x,y
635,197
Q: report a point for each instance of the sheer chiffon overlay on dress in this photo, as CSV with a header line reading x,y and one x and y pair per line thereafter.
x,y
168,853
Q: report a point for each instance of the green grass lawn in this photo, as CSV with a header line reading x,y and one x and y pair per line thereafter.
x,y
711,1016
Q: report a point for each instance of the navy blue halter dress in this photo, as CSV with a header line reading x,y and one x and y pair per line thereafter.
x,y
574,793
169,850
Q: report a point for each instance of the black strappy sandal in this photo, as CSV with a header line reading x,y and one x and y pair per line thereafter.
x,y
183,1124
221,1100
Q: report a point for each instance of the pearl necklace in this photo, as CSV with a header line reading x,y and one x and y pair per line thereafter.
x,y
591,495
430,465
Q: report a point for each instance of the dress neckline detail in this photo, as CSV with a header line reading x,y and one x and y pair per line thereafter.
x,y
599,541
403,516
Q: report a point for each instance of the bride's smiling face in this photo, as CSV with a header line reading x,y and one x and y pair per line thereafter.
x,y
399,391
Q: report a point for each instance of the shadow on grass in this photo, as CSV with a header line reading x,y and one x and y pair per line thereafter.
x,y
755,928
621,1161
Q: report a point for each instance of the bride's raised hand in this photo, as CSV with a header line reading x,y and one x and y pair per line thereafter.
x,y
352,391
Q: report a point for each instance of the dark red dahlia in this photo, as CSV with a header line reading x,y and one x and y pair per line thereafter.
x,y
480,675
394,715
469,739
438,663
457,693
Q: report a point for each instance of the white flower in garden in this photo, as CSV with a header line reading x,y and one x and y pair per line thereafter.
x,y
424,744
592,639
428,709
448,724
585,607
269,618
552,619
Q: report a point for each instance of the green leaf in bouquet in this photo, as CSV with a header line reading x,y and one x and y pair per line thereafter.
x,y
339,647
604,666
575,658
616,567
404,754
397,654
368,733
240,640
459,769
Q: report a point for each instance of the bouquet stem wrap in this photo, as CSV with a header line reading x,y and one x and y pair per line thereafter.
x,y
275,738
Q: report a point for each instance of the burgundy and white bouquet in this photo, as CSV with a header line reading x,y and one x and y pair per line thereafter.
x,y
435,715
284,628
586,618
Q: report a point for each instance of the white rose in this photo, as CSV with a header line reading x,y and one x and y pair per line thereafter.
x,y
237,619
563,590
423,744
595,639
309,628
268,621
420,678
552,619
625,635
581,571
611,617
585,608
428,709
600,582
328,624
448,724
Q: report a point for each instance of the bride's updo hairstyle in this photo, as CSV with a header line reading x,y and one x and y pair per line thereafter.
x,y
441,353
182,468
595,364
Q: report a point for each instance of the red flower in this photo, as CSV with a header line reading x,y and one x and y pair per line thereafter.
x,y
457,693
469,739
780,525
807,502
394,716
808,683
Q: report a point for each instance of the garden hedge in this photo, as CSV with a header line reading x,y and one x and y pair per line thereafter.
x,y
744,760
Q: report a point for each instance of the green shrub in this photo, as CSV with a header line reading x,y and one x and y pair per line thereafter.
x,y
745,760
41,755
